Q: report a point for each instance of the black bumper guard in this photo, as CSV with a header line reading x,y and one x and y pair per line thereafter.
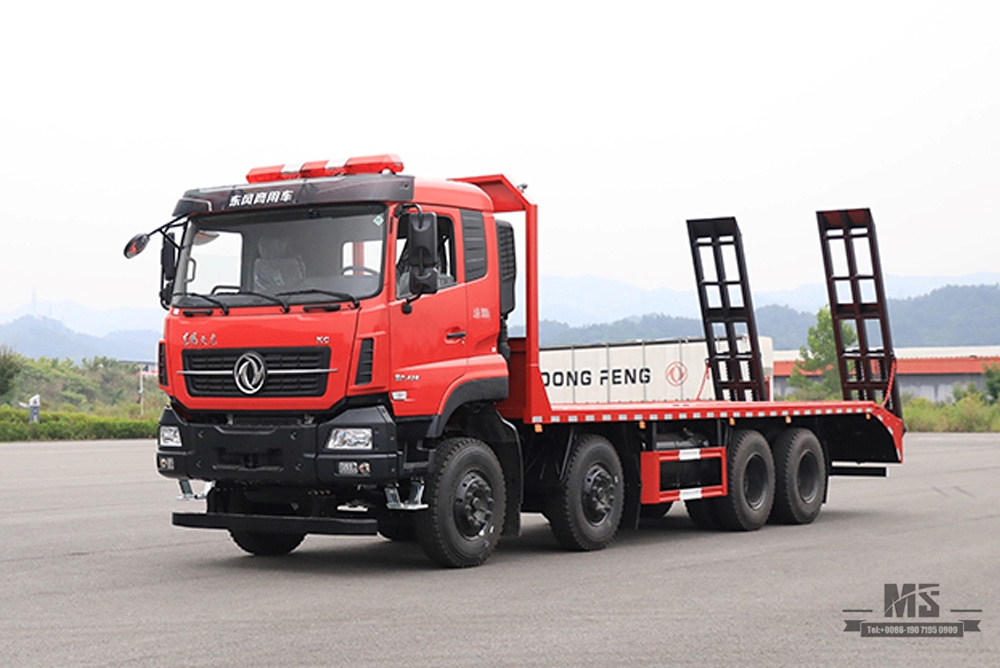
x,y
340,526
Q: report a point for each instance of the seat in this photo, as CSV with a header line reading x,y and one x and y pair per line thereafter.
x,y
276,268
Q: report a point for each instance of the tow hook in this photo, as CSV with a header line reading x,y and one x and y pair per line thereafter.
x,y
187,494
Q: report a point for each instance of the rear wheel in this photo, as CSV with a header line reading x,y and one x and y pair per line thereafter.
x,y
586,509
702,513
655,511
751,483
801,477
466,501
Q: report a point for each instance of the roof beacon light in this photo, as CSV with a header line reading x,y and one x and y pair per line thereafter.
x,y
369,164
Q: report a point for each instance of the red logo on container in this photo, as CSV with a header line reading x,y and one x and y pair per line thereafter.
x,y
676,373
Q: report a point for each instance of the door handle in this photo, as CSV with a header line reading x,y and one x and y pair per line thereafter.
x,y
455,335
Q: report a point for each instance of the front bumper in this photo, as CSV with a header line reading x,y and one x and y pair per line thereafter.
x,y
293,454
334,526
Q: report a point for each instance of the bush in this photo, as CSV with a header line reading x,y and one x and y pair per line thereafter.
x,y
923,415
57,426
969,413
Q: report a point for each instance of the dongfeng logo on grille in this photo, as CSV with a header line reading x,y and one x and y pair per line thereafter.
x,y
250,373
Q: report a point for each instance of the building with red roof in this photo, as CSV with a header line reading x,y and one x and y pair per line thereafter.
x,y
931,373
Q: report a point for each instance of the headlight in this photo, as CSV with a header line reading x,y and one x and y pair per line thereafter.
x,y
350,439
170,437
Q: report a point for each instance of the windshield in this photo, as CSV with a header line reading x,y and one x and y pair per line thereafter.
x,y
304,255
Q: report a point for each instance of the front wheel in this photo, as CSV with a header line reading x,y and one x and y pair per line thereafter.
x,y
466,501
266,544
398,526
586,509
259,543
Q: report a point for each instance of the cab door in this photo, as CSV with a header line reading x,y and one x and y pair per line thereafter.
x,y
428,350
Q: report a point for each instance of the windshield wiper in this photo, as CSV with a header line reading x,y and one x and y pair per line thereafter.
x,y
210,300
235,290
339,296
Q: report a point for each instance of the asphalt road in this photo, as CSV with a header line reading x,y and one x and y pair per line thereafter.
x,y
92,574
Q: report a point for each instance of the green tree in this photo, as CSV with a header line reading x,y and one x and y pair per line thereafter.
x,y
819,360
100,385
10,366
991,378
971,390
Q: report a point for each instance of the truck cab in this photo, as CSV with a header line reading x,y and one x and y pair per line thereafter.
x,y
324,325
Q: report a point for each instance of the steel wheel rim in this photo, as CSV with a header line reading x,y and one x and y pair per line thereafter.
x,y
808,477
598,494
473,505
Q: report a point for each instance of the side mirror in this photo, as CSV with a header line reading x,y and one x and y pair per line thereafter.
x,y
136,245
168,270
168,258
422,240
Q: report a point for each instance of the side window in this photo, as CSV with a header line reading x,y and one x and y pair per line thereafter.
x,y
474,242
446,258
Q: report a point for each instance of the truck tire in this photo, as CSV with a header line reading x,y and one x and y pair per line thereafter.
x,y
586,509
259,543
264,544
751,483
655,511
702,513
398,526
801,477
467,500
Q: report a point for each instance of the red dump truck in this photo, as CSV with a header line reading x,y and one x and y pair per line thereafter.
x,y
337,358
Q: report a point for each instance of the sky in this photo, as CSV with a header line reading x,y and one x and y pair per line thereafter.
x,y
624,119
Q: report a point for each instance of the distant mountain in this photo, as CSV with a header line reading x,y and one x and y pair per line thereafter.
x,y
85,320
647,327
788,328
45,337
585,300
947,316
579,300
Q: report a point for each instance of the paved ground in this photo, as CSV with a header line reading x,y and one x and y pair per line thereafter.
x,y
92,574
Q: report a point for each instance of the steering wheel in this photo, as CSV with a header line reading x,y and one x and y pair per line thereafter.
x,y
357,267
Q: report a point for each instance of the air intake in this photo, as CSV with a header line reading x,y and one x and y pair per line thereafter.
x,y
365,360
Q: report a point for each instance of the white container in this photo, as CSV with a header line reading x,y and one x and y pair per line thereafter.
x,y
662,370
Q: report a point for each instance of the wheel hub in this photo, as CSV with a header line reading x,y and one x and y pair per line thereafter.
x,y
808,477
473,505
598,494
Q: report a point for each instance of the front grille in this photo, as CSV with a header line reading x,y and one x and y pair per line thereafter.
x,y
210,373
